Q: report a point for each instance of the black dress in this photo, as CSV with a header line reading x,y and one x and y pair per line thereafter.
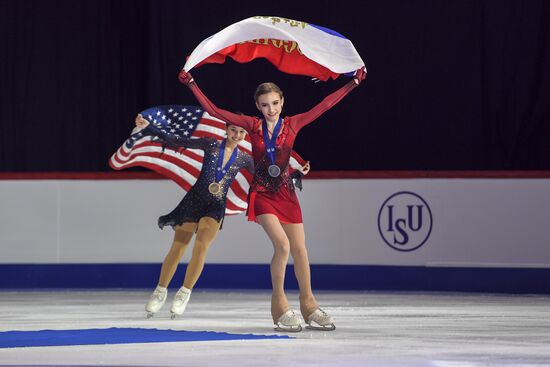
x,y
199,201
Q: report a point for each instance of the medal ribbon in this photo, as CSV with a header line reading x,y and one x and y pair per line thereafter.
x,y
220,172
270,143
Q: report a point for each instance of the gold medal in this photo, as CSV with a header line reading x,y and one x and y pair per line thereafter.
x,y
214,188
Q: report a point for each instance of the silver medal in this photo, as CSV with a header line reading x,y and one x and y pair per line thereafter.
x,y
274,170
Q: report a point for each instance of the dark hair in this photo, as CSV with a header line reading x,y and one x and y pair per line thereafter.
x,y
265,88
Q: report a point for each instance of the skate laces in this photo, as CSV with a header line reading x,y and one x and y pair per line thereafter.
x,y
159,294
181,296
320,317
289,318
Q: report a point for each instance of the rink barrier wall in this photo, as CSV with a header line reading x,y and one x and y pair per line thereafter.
x,y
489,233
256,276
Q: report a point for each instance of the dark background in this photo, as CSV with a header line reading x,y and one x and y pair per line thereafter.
x,y
451,85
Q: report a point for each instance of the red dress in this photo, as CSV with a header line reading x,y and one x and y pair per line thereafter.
x,y
273,195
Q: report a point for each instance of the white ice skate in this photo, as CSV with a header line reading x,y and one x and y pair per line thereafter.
x,y
180,302
289,322
320,320
156,301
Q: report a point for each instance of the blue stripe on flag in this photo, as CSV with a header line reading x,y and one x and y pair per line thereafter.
x,y
327,30
46,338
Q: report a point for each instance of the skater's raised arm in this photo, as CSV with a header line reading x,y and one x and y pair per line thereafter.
x,y
303,119
246,122
170,139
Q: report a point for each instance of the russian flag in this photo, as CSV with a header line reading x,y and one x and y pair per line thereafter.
x,y
294,47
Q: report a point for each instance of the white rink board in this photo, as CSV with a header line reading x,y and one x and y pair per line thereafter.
x,y
475,222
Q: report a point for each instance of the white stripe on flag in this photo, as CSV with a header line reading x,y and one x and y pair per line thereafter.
x,y
331,51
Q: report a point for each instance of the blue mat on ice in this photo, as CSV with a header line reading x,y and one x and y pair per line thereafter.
x,y
44,338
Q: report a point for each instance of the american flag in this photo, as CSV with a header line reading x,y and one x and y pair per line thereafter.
x,y
183,166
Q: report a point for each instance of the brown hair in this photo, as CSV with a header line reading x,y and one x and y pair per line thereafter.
x,y
265,88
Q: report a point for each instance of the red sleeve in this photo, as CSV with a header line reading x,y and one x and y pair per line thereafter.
x,y
246,122
303,119
301,161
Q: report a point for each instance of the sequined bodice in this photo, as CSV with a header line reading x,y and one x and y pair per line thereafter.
x,y
283,148
211,148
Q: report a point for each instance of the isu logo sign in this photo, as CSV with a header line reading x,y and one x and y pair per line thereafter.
x,y
405,221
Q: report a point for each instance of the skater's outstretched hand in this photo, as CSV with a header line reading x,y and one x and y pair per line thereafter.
x,y
185,77
305,168
141,123
360,75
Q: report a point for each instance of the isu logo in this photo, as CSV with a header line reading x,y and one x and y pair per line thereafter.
x,y
405,221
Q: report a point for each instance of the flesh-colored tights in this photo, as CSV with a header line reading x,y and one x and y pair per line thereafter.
x,y
206,231
288,239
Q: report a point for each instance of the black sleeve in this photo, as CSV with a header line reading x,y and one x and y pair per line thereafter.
x,y
172,140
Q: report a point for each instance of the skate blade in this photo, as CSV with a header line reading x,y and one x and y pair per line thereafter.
x,y
288,329
174,315
330,327
150,314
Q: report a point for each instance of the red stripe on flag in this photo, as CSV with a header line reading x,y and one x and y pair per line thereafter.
x,y
284,55
160,170
197,157
214,123
238,190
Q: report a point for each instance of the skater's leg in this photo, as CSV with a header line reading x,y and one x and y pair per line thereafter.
x,y
298,250
182,237
281,251
207,231
312,314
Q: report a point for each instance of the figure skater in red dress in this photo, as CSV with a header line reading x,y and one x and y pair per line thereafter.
x,y
272,199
